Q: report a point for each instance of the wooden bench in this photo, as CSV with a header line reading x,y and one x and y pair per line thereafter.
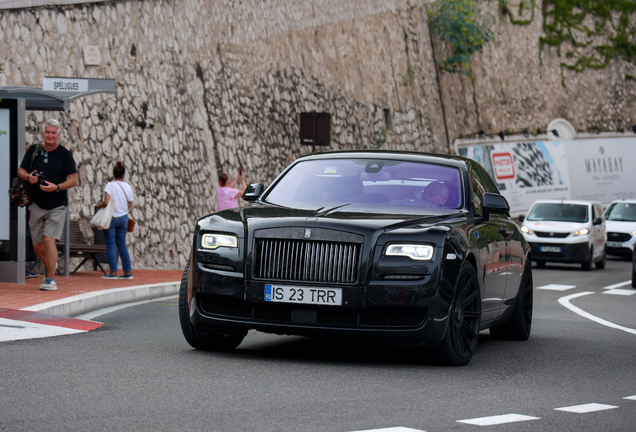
x,y
80,248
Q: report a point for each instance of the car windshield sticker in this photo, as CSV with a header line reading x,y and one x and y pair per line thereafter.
x,y
330,170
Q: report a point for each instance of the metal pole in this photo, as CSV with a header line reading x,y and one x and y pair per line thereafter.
x,y
67,241
21,225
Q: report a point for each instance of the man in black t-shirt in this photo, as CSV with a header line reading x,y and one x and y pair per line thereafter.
x,y
53,172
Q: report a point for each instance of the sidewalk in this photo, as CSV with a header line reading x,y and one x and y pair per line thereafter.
x,y
85,291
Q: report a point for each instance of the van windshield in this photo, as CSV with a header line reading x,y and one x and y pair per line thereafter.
x,y
622,212
559,212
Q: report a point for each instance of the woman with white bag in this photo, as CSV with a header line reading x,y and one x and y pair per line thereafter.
x,y
115,235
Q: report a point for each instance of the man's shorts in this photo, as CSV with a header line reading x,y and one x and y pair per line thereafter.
x,y
48,223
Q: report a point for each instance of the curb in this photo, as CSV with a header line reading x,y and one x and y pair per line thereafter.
x,y
88,302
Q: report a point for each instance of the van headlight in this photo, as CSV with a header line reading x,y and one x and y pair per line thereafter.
x,y
526,230
213,241
582,232
416,252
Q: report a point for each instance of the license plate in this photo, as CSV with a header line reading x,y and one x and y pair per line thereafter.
x,y
550,249
614,244
303,295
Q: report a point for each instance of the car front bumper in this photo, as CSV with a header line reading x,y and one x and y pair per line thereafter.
x,y
407,311
568,253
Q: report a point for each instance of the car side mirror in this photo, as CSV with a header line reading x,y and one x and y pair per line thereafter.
x,y
522,218
597,221
495,203
252,192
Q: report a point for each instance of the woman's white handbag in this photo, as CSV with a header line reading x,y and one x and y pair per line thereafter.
x,y
104,215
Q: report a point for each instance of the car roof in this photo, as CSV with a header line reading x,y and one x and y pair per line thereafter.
x,y
555,201
438,158
624,200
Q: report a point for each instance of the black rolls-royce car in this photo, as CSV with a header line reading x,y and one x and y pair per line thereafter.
x,y
417,249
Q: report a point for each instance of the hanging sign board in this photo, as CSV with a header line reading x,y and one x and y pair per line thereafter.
x,y
59,84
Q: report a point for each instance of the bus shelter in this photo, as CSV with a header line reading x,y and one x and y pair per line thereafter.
x,y
56,94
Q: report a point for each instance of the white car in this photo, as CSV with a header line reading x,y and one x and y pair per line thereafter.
x,y
566,231
621,227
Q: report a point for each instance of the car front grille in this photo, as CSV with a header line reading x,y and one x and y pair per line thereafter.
x,y
282,314
618,237
307,261
551,234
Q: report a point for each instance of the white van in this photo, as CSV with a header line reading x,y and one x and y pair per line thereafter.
x,y
566,231
621,227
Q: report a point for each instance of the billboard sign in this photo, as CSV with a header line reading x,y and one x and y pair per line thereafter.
x,y
588,169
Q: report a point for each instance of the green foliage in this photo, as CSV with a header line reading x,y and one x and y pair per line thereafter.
x,y
587,34
464,27
506,7
381,138
409,76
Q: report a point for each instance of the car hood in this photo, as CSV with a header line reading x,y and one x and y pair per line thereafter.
x,y
620,226
256,216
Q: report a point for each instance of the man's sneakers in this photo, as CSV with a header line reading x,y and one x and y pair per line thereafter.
x,y
126,276
30,274
110,276
48,285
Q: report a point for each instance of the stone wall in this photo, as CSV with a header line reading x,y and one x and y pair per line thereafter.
x,y
205,86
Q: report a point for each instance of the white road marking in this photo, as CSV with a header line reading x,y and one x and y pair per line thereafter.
x,y
499,419
618,285
586,408
11,330
555,287
392,429
630,397
565,301
622,292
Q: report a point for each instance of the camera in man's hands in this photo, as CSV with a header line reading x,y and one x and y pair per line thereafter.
x,y
41,178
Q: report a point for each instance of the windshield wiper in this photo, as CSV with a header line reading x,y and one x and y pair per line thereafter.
x,y
324,212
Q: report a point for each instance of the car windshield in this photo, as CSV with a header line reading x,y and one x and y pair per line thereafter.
x,y
373,185
622,212
559,212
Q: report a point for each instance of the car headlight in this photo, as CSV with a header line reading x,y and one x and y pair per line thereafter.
x,y
584,231
525,229
416,252
213,241
634,233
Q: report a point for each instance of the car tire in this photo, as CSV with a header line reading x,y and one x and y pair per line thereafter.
x,y
540,263
193,335
601,264
587,263
520,323
462,333
633,278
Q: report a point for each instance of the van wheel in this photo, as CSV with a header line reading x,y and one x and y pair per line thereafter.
x,y
587,264
540,263
601,264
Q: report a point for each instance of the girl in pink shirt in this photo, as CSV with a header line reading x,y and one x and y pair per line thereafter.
x,y
226,195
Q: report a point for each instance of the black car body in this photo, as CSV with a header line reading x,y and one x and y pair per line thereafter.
x,y
344,243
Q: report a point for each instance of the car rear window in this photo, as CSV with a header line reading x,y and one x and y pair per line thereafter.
x,y
374,184
559,212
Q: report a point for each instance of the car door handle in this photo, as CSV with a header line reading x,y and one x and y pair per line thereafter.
x,y
505,232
